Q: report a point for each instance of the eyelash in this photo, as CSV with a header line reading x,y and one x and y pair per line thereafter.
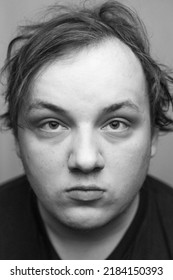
x,y
117,122
50,122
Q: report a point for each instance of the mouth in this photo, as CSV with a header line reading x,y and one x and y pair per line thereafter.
x,y
85,193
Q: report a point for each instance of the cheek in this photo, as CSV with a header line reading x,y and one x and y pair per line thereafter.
x,y
40,160
137,154
129,166
132,152
44,169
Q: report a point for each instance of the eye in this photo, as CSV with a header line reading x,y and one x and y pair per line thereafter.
x,y
52,126
116,126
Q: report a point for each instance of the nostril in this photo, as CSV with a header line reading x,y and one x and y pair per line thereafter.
x,y
85,171
86,164
85,154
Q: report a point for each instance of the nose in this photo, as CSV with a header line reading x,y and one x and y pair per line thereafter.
x,y
85,155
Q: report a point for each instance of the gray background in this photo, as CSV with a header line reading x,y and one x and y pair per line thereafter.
x,y
158,18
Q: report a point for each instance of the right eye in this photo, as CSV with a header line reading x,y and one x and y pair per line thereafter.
x,y
52,126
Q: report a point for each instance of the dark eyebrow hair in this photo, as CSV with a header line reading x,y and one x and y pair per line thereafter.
x,y
117,106
39,104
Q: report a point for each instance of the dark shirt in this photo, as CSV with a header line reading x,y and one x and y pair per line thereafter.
x,y
23,235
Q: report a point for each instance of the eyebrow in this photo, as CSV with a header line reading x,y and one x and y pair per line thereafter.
x,y
46,105
38,104
120,105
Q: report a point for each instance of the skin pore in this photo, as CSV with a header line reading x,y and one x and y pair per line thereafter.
x,y
85,142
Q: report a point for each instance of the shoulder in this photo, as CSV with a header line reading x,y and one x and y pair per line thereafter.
x,y
159,189
14,191
18,230
16,182
160,199
159,192
16,198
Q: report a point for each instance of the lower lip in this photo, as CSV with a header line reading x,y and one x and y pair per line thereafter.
x,y
83,195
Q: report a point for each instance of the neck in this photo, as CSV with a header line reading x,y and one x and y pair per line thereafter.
x,y
96,243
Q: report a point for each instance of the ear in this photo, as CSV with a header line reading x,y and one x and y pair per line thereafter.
x,y
154,141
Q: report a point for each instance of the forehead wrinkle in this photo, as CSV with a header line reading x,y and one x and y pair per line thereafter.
x,y
38,91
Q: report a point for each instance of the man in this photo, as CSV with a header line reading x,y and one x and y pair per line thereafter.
x,y
86,103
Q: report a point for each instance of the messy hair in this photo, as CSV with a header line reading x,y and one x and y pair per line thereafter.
x,y
70,29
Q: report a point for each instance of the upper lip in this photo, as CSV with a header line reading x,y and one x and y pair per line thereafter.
x,y
85,188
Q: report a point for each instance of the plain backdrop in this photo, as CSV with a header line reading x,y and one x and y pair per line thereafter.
x,y
158,18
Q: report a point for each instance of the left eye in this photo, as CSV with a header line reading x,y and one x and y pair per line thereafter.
x,y
116,125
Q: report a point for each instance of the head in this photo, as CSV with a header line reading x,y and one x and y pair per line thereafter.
x,y
85,103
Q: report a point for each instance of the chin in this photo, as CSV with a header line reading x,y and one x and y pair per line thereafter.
x,y
86,223
83,227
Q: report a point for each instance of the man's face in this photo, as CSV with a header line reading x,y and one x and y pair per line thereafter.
x,y
86,142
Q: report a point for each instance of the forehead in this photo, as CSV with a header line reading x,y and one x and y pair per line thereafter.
x,y
99,75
